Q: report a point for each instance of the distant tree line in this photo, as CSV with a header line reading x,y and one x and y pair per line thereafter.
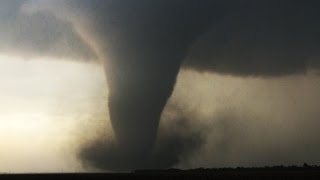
x,y
304,167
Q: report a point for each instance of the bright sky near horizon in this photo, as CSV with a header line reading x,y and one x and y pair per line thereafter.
x,y
42,101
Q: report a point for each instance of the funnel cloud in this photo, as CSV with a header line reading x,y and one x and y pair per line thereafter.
x,y
143,44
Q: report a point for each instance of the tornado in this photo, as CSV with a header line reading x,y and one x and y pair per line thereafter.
x,y
141,45
138,94
145,55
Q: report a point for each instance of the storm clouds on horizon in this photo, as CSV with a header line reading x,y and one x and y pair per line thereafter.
x,y
143,45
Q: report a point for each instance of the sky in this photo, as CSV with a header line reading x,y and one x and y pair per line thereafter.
x,y
43,103
203,85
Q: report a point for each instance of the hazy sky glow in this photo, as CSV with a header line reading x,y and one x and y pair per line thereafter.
x,y
246,93
43,102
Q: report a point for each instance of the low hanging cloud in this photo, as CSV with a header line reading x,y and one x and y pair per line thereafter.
x,y
267,39
247,38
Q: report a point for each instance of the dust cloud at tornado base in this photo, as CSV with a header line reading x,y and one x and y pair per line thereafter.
x,y
230,121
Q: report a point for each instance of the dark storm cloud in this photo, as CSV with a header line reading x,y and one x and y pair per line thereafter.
x,y
261,39
146,42
249,37
38,34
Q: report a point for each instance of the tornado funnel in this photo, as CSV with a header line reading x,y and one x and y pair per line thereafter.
x,y
142,44
145,53
141,77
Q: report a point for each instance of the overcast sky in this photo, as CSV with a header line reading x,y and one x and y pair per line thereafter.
x,y
239,99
